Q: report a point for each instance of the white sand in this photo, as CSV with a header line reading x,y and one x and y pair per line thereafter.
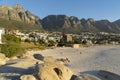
x,y
92,58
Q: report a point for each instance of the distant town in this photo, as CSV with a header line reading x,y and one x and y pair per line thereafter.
x,y
61,39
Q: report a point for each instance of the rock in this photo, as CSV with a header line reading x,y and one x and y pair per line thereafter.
x,y
27,77
18,13
84,77
109,75
38,56
14,57
64,60
2,59
53,71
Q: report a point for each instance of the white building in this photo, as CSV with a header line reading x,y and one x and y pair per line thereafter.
x,y
2,31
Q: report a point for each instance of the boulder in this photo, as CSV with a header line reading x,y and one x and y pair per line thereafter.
x,y
84,77
64,60
27,77
2,59
38,57
53,71
109,75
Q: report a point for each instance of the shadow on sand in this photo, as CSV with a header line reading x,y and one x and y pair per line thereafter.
x,y
13,73
94,73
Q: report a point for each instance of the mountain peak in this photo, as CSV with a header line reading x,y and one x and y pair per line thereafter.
x,y
17,13
18,6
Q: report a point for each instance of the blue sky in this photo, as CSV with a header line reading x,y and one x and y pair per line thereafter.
x,y
97,9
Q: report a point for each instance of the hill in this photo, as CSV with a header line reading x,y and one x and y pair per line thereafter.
x,y
15,17
74,25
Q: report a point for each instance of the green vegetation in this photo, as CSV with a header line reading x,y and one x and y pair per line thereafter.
x,y
51,43
62,42
10,49
12,24
14,46
11,46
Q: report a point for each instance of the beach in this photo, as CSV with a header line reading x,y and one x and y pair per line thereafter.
x,y
85,60
88,60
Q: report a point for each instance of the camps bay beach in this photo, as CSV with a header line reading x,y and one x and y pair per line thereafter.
x,y
88,59
84,60
59,40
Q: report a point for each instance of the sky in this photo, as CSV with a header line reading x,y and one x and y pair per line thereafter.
x,y
96,9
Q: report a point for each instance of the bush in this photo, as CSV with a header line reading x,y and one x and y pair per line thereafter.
x,y
11,38
51,43
62,42
11,46
10,49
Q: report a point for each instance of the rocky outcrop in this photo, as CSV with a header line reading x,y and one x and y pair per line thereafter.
x,y
18,13
84,77
2,59
27,77
109,75
53,71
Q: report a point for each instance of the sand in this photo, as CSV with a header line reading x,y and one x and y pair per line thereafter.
x,y
87,60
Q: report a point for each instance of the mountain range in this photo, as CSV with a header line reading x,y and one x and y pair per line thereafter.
x,y
15,17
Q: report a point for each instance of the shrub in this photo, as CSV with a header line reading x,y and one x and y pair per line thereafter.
x,y
10,49
11,46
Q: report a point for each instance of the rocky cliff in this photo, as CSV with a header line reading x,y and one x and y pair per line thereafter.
x,y
17,17
73,24
18,13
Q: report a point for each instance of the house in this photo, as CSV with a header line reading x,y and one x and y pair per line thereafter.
x,y
67,37
2,31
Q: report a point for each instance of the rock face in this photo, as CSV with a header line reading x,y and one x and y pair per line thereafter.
x,y
68,24
109,75
53,71
73,24
2,59
61,22
27,77
18,13
84,77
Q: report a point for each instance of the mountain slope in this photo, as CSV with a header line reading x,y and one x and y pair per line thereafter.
x,y
17,18
74,25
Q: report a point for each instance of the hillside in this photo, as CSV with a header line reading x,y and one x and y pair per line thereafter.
x,y
74,25
15,17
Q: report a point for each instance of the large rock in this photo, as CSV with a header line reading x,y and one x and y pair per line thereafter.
x,y
2,59
27,77
84,77
109,75
53,71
